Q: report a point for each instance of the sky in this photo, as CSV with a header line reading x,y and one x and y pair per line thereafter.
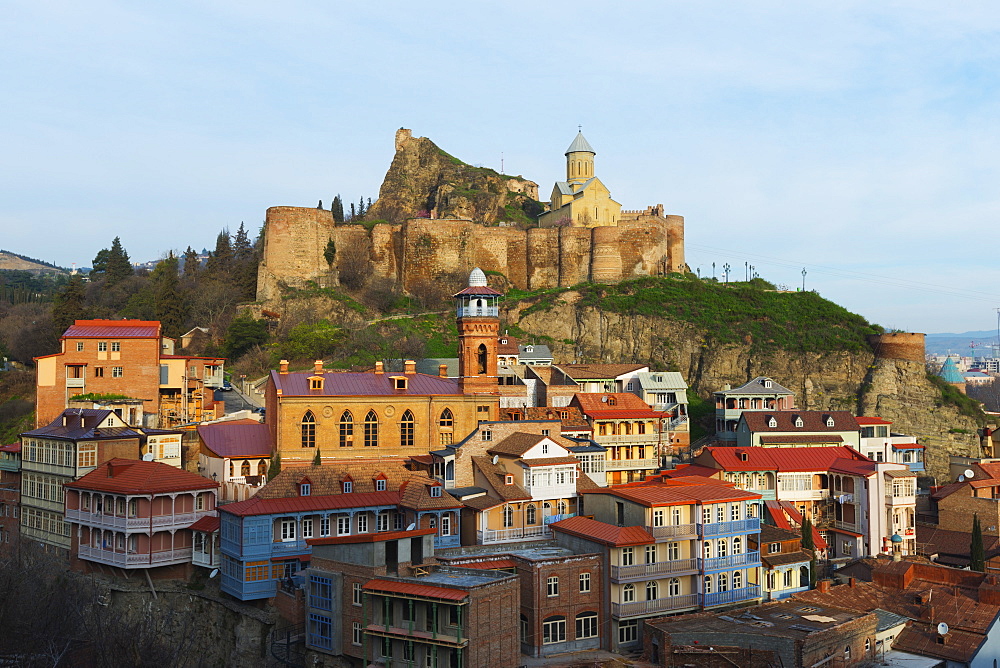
x,y
858,141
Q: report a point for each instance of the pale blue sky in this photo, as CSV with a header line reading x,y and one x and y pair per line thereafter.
x,y
857,138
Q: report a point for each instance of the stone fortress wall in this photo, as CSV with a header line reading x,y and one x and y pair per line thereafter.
x,y
643,243
908,346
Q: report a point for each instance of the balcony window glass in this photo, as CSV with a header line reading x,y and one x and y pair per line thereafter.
x,y
737,545
706,514
652,590
723,547
708,549
628,556
708,584
650,554
344,526
734,512
723,582
673,551
287,530
674,587
628,593
737,579
675,516
720,513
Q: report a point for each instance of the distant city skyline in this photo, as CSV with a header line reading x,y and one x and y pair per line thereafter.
x,y
856,141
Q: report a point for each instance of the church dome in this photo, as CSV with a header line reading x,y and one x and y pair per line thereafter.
x,y
580,145
477,279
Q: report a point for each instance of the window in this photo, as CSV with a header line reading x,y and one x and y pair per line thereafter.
x,y
706,514
848,549
675,516
734,512
98,372
371,430
650,554
382,521
628,593
868,648
321,593
287,530
324,525
79,346
723,581
87,456
628,631
117,372
652,590
772,423
737,579
363,523
380,486
586,625
346,429
774,548
584,583
554,630
446,438
256,571
708,549
720,513
737,545
530,514
116,346
657,518
674,587
552,587
304,489
771,580
723,547
102,346
627,556
308,430
356,633
786,579
673,551
348,486
344,526
508,516
798,421
446,524
356,593
847,653
486,435
406,429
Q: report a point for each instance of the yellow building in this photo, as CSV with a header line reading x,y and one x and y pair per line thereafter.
x,y
581,200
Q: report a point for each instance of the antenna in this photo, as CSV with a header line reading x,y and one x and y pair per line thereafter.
x,y
496,458
942,629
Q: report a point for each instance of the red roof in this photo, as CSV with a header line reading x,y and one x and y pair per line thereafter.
x,y
690,470
777,514
13,447
131,476
871,420
370,537
489,565
365,383
207,524
293,504
602,532
425,591
804,438
811,421
786,460
478,290
853,467
613,404
119,329
907,446
237,438
674,493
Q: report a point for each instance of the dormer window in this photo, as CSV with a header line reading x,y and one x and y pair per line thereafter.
x,y
529,349
772,422
305,489
829,420
503,341
399,382
612,401
744,457
798,421
380,485
435,491
767,383
315,382
508,480
348,486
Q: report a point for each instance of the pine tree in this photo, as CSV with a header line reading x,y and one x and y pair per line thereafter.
x,y
320,205
220,261
275,467
361,209
69,305
809,544
244,264
977,555
337,208
353,214
192,263
112,264
318,459
170,307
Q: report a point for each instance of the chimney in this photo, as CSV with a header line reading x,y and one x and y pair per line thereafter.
x,y
823,586
409,366
852,582
378,368
927,613
318,366
443,370
283,366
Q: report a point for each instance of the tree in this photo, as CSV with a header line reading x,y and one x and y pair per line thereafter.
x,y
353,212
69,305
244,265
809,544
318,459
220,261
243,334
113,264
275,467
192,263
977,555
330,253
354,264
169,307
337,209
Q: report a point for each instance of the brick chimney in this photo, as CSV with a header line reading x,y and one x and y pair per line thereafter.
x,y
409,367
443,370
379,368
852,582
283,366
318,366
823,586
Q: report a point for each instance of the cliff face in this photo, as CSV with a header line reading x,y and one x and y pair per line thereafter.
x,y
858,381
425,181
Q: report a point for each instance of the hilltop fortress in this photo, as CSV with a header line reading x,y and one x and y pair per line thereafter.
x,y
443,217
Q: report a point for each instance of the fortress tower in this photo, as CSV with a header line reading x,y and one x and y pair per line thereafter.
x,y
478,330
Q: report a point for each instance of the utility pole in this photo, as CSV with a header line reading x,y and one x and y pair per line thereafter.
x,y
804,289
725,270
713,274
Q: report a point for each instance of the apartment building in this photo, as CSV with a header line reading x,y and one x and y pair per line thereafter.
x,y
634,435
760,394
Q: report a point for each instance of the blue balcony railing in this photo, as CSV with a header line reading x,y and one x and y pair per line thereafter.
x,y
749,525
748,593
732,561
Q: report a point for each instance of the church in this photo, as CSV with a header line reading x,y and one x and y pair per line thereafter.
x,y
581,200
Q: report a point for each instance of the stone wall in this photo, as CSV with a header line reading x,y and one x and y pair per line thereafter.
x,y
423,249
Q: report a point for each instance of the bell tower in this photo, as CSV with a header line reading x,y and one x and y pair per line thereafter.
x,y
579,161
478,328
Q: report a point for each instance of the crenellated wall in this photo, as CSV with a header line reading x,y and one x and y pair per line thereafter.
x,y
424,249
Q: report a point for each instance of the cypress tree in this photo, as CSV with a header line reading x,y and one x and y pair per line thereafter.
x,y
353,213
318,459
809,544
330,253
220,262
69,305
170,307
275,467
977,555
337,208
192,263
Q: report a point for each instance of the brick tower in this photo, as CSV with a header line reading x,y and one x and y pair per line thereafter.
x,y
478,328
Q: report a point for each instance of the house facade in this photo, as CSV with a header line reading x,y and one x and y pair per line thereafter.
x,y
634,435
237,454
759,394
796,428
880,444
10,495
666,392
785,566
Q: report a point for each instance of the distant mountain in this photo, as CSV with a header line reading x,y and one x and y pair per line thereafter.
x,y
13,261
961,344
981,334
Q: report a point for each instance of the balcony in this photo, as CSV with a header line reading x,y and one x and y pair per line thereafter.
x,y
447,541
135,560
803,494
628,439
894,501
665,604
631,464
478,312
503,535
674,531
677,422
749,525
76,382
647,571
160,522
748,593
847,526
732,561
205,559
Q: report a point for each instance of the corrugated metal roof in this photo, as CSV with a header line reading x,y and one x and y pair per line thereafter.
x,y
602,371
296,504
366,383
130,476
672,493
207,524
411,589
785,460
119,329
237,439
811,421
478,290
756,386
603,532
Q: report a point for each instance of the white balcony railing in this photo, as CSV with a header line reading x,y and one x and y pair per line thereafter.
x,y
673,530
76,382
642,571
503,535
749,525
847,526
900,500
134,560
205,559
631,464
103,521
665,604
628,439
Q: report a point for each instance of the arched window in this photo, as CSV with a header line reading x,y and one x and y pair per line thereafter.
x,y
803,576
406,429
447,418
561,507
232,469
628,593
737,545
652,591
245,469
708,584
481,358
308,430
346,429
508,516
554,630
737,579
868,648
708,550
723,582
371,430
723,547
262,468
674,587
586,625
530,514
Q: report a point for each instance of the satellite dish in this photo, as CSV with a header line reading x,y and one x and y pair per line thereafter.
x,y
496,458
148,457
215,571
969,474
942,629
961,478
413,525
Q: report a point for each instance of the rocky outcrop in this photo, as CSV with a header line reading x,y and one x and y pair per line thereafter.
x,y
424,181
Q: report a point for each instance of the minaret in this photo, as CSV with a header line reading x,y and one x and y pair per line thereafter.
x,y
478,329
579,161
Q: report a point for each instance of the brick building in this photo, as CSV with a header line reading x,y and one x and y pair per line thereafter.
x,y
10,494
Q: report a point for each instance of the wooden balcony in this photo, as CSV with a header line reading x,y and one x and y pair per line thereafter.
x,y
654,570
503,535
665,604
135,560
